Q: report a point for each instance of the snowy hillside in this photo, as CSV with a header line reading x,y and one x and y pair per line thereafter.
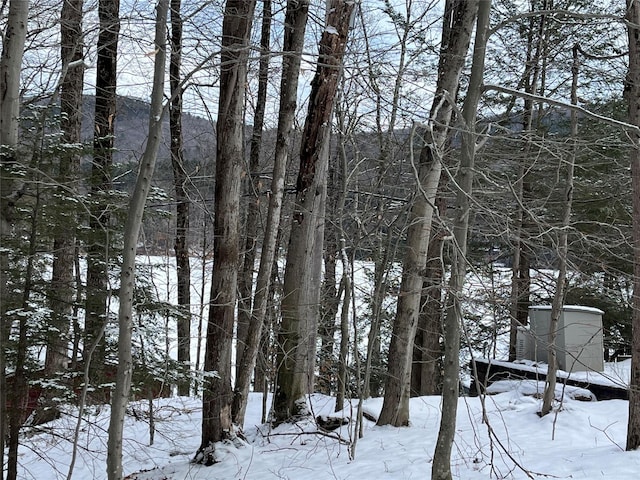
x,y
584,440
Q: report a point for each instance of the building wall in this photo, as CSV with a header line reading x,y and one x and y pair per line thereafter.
x,y
579,340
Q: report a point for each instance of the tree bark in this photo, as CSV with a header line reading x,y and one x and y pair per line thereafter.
x,y
133,222
328,310
426,371
385,132
62,277
330,296
521,276
563,251
295,25
183,204
456,34
245,282
10,65
344,329
632,96
217,395
441,467
297,336
19,393
98,247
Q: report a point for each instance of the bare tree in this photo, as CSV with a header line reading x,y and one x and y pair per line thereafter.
x,y
632,96
183,204
406,25
98,247
10,64
457,26
300,310
549,394
295,25
217,395
63,278
441,467
245,280
531,82
120,396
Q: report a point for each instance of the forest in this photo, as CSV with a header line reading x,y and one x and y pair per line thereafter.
x,y
250,206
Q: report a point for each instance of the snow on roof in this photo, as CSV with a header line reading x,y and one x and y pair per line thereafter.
x,y
569,308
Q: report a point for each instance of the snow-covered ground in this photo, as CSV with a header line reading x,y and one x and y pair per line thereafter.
x,y
581,440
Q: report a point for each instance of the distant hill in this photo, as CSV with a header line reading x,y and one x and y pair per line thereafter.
x,y
132,125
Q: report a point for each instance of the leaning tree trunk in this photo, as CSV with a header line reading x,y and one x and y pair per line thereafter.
x,y
632,95
10,63
456,34
217,395
297,336
131,231
295,25
98,246
183,204
441,467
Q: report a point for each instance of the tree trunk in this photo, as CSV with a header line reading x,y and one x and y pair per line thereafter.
x,y
10,65
441,467
344,329
297,336
339,182
426,371
217,395
98,247
385,132
373,368
295,25
521,277
563,251
458,24
183,204
245,282
19,393
133,222
632,95
330,297
62,278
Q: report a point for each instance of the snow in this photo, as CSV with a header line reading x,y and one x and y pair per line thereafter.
x,y
579,440
570,308
616,374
